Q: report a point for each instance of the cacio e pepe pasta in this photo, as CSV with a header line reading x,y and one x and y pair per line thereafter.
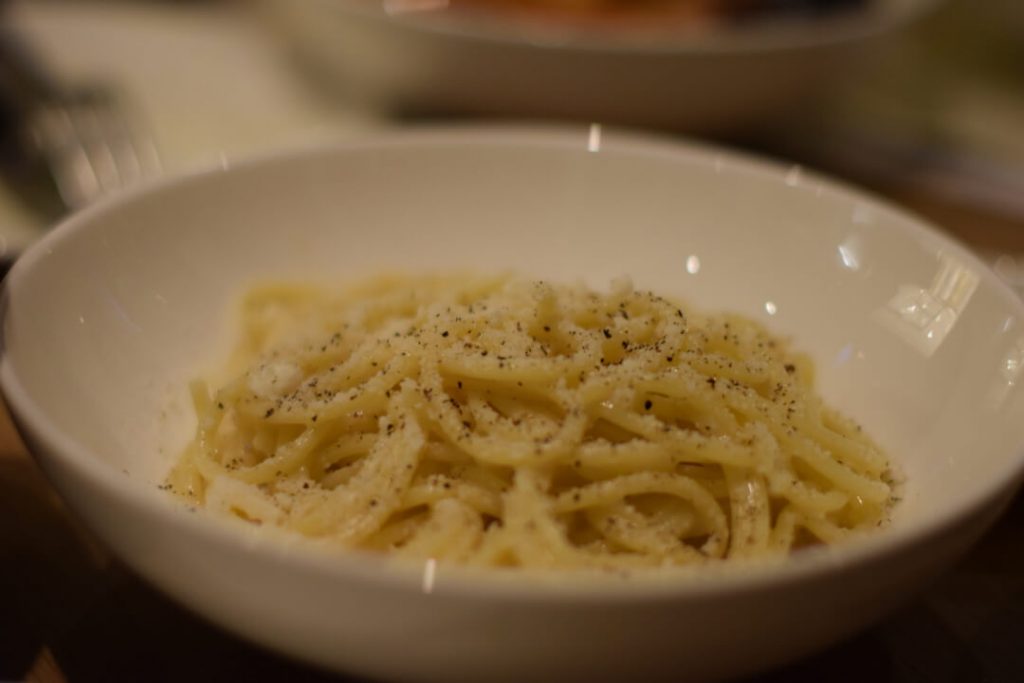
x,y
498,421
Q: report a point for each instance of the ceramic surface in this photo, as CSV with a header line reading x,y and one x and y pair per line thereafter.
x,y
421,56
109,316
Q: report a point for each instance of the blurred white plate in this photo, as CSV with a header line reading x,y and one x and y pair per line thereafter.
x,y
414,55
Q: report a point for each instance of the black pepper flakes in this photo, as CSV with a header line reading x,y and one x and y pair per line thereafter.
x,y
648,404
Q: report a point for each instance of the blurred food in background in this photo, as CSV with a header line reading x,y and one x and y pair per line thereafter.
x,y
735,64
651,15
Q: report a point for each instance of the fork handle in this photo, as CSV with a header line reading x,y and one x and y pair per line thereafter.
x,y
24,81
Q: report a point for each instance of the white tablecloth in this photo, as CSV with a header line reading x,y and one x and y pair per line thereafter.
x,y
210,83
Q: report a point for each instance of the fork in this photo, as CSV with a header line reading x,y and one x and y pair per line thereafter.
x,y
81,141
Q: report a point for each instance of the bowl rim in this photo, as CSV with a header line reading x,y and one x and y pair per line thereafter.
x,y
298,554
873,18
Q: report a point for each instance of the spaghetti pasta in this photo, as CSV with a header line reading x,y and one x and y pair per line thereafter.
x,y
493,421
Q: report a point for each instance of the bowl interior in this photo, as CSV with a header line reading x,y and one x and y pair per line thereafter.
x,y
111,315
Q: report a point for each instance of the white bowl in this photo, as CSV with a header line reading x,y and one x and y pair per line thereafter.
x,y
707,79
112,313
